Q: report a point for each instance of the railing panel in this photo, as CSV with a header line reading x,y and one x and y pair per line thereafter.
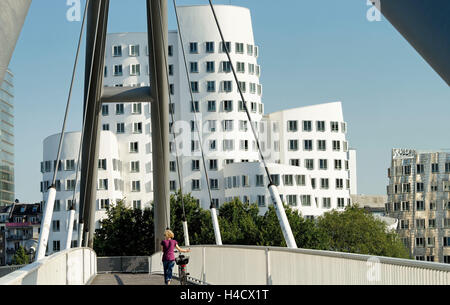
x,y
74,266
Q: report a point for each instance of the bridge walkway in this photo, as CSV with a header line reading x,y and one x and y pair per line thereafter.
x,y
121,279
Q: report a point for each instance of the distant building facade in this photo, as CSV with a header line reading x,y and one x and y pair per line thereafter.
x,y
419,196
7,140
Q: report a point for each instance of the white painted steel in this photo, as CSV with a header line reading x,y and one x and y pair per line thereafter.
x,y
45,226
70,229
186,234
282,218
240,265
72,267
215,222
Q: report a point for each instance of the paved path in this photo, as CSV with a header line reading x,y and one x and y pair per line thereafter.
x,y
115,279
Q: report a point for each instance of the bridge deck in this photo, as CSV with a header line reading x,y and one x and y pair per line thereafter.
x,y
116,279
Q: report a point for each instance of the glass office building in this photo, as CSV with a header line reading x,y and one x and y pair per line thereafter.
x,y
7,140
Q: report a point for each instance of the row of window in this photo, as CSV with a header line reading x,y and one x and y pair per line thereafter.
x,y
103,185
210,47
406,170
307,126
69,165
420,205
225,106
421,224
224,67
224,87
405,188
244,181
431,258
194,48
429,241
308,145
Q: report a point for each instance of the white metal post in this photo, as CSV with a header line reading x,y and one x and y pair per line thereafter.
x,y
284,222
216,226
70,228
45,224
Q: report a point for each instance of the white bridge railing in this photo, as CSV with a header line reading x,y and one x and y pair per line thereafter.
x,y
238,265
76,266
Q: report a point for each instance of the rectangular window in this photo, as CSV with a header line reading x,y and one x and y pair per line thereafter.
x,y
291,200
103,184
135,70
102,164
326,203
239,48
194,87
117,51
120,128
118,70
211,106
211,86
136,186
306,200
292,126
120,109
70,165
227,106
210,67
195,107
420,169
195,185
225,47
335,126
226,66
336,145
307,126
307,145
435,168
193,47
134,147
194,67
324,183
134,167
309,164
134,50
321,145
301,180
210,47
137,128
293,145
323,164
320,126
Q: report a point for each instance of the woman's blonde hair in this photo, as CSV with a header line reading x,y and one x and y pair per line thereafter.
x,y
169,234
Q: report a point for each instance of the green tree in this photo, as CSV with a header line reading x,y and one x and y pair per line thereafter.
x,y
357,231
199,220
20,257
239,223
307,235
125,232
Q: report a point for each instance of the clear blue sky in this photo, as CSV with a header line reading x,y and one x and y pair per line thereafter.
x,y
311,51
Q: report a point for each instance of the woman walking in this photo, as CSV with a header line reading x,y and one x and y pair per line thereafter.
x,y
167,247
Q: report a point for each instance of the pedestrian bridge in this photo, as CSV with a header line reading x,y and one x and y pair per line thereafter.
x,y
235,265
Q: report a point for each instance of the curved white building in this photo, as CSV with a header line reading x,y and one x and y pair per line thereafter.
x,y
289,139
110,183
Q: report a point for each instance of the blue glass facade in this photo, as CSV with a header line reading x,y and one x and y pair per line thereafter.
x,y
7,140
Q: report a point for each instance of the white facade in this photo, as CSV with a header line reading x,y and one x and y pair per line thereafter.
x,y
228,141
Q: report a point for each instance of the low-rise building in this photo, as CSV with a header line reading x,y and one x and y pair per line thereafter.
x,y
22,227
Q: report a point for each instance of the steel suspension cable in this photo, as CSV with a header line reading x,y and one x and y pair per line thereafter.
x,y
49,205
212,204
241,94
61,140
278,204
